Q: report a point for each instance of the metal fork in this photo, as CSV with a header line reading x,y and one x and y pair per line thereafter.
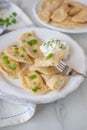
x,y
65,69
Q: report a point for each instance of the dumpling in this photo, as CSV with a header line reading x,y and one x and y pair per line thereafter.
x,y
46,9
78,11
61,13
68,23
81,17
45,70
31,44
32,81
18,53
44,15
50,5
56,82
50,60
9,66
75,8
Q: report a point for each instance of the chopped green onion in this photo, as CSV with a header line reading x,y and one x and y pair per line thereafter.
x,y
14,14
22,56
62,47
35,89
36,71
13,21
49,56
33,77
23,48
32,42
6,62
14,67
8,20
35,51
16,48
29,34
5,59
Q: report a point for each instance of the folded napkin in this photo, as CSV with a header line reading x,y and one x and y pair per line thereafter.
x,y
13,111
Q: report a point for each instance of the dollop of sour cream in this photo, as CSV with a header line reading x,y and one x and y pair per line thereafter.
x,y
53,46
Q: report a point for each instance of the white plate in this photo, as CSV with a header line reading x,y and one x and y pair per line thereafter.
x,y
77,61
22,19
36,8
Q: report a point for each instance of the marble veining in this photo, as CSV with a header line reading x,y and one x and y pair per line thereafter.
x,y
61,112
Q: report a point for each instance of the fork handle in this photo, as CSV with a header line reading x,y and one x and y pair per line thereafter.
x,y
73,72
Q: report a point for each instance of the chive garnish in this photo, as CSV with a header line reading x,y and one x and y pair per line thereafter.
x,y
32,42
49,56
14,66
14,14
35,51
6,62
11,19
22,56
33,77
23,48
16,48
5,59
62,47
35,89
29,34
36,71
14,20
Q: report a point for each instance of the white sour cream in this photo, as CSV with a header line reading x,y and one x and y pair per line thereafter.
x,y
55,45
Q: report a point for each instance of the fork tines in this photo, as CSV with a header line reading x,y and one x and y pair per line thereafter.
x,y
63,68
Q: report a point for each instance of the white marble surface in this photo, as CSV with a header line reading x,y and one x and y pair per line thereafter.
x,y
69,113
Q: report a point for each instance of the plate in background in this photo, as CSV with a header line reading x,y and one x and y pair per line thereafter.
x,y
48,25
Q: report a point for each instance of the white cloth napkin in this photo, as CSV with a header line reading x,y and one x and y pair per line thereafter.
x,y
14,112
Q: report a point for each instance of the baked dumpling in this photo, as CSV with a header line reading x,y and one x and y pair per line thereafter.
x,y
46,9
31,44
56,82
9,66
50,5
75,8
32,81
81,17
45,70
61,13
50,60
44,15
68,23
18,53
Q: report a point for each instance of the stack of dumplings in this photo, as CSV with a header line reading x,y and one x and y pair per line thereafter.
x,y
25,61
63,13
